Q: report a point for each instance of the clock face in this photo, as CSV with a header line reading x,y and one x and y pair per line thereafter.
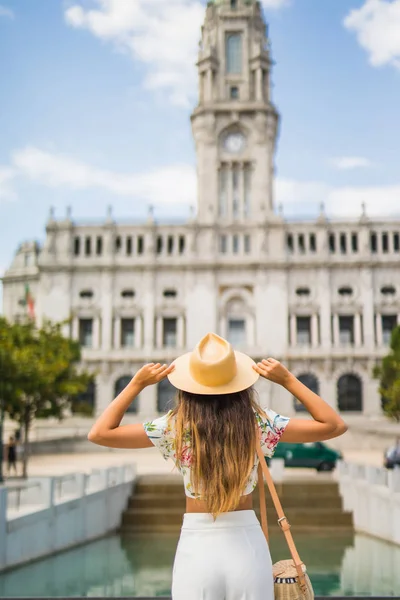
x,y
234,142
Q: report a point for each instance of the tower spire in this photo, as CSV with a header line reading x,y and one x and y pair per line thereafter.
x,y
235,123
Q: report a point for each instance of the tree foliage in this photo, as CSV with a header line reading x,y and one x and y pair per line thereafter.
x,y
39,373
388,373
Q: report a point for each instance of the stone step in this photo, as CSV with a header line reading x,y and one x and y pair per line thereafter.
x,y
174,530
297,516
173,486
158,500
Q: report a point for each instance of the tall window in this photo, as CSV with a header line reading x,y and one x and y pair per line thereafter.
x,y
223,191
389,322
346,330
85,402
223,244
127,333
77,246
349,392
247,190
309,380
165,396
235,191
237,332
86,332
120,385
169,333
88,246
234,53
99,245
303,325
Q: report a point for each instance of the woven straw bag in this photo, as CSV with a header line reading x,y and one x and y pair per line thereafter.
x,y
291,581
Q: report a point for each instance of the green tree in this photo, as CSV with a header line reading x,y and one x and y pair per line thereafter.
x,y
40,374
388,373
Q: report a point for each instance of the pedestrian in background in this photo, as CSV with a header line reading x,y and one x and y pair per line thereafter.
x,y
11,455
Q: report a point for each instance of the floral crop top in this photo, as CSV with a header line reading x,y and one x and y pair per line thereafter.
x,y
161,433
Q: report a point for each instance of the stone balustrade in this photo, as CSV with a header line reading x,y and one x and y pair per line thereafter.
x,y
46,515
373,495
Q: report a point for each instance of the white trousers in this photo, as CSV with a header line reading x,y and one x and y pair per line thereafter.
x,y
228,559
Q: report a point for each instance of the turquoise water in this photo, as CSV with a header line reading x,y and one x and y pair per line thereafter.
x,y
338,564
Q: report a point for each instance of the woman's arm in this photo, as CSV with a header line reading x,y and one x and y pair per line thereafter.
x,y
107,430
327,422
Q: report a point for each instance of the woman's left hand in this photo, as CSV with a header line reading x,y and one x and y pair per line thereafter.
x,y
151,374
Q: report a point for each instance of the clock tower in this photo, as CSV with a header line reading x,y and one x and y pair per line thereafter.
x,y
235,124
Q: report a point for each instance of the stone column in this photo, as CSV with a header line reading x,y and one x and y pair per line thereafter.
x,y
106,310
229,201
96,332
314,330
148,313
159,332
223,326
293,330
336,332
243,196
75,328
138,331
379,332
357,330
209,80
259,93
117,332
180,333
104,392
251,331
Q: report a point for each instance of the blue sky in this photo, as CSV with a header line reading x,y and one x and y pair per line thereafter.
x,y
96,97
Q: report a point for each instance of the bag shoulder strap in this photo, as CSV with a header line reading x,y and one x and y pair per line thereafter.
x,y
282,519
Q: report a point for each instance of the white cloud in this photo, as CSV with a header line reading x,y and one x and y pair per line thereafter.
x,y
299,198
173,184
351,162
7,175
163,35
6,12
177,185
377,27
275,3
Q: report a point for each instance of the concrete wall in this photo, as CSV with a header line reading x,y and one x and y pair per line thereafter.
x,y
373,495
52,514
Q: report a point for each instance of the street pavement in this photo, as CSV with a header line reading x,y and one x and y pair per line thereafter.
x,y
149,461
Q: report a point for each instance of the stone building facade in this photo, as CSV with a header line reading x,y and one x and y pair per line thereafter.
x,y
322,295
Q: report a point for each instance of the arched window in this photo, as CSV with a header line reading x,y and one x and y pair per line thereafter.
x,y
349,392
309,380
234,53
236,322
85,403
120,385
165,396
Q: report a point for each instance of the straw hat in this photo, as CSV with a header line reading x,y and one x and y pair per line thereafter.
x,y
213,368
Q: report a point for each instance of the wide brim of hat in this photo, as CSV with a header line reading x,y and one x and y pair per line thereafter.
x,y
245,377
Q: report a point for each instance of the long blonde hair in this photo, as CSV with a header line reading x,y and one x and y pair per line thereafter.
x,y
221,433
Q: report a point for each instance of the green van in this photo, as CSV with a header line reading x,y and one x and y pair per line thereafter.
x,y
314,455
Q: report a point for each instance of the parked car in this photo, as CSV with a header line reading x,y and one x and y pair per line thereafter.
x,y
391,458
314,455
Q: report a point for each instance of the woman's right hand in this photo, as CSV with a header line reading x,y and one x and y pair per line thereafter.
x,y
273,370
151,374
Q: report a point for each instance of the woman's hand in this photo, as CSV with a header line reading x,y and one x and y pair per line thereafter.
x,y
274,371
151,374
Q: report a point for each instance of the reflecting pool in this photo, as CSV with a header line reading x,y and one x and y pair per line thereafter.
x,y
339,564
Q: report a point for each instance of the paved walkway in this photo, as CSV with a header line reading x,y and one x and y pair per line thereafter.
x,y
148,461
